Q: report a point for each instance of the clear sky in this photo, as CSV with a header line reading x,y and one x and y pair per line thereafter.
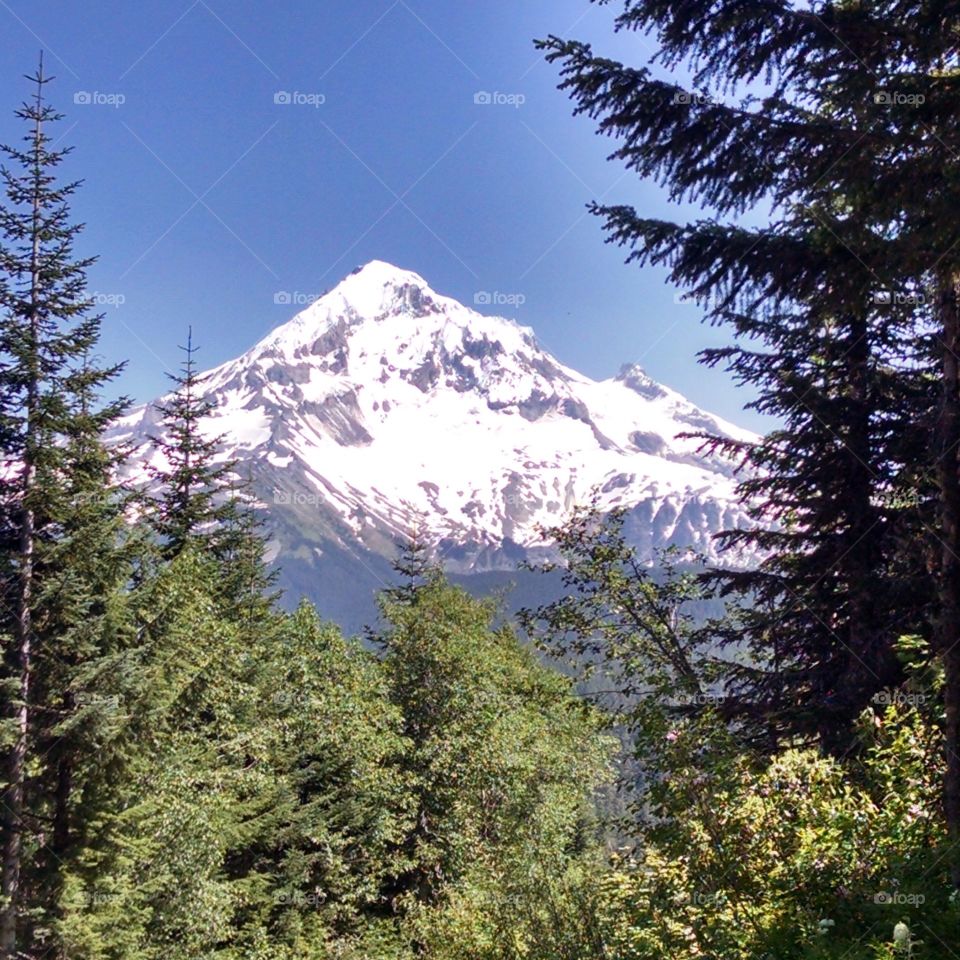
x,y
205,198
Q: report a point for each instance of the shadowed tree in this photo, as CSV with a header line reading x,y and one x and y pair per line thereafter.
x,y
52,459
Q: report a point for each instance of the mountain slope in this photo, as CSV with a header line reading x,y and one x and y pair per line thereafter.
x,y
385,408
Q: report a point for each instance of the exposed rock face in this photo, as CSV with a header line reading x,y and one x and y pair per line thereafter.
x,y
385,407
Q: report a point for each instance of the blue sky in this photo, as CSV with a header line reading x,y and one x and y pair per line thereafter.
x,y
205,198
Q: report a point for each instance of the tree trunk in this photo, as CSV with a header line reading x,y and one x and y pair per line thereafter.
x,y
23,627
866,660
948,632
16,767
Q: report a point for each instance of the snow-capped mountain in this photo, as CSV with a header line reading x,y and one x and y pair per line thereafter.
x,y
384,408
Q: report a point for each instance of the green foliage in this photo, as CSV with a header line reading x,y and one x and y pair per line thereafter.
x,y
501,766
796,857
64,557
191,507
287,794
742,854
828,300
642,642
190,772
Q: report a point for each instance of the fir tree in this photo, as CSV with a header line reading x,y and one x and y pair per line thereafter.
x,y
806,298
193,504
86,639
854,145
248,580
47,330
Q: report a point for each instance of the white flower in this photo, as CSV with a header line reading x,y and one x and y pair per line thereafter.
x,y
824,926
901,934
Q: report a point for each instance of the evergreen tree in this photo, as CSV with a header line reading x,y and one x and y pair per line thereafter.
x,y
502,761
826,304
152,882
49,442
247,585
332,804
86,638
854,144
193,504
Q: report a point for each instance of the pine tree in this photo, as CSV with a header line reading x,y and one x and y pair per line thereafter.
x,y
837,519
152,881
248,582
806,299
86,640
854,144
193,503
49,439
332,805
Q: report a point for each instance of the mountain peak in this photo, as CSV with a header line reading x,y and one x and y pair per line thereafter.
x,y
370,292
383,403
376,275
382,272
378,287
